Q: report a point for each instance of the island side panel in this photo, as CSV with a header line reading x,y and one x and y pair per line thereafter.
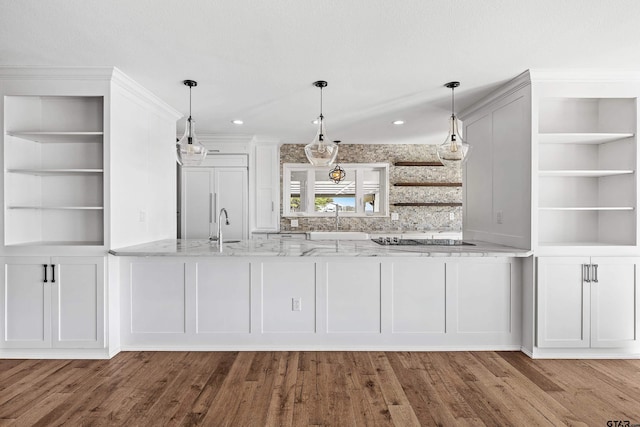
x,y
320,303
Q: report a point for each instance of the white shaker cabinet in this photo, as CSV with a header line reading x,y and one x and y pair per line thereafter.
x,y
267,187
587,302
204,192
52,302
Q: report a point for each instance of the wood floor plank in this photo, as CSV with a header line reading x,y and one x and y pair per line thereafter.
x,y
318,388
283,396
224,405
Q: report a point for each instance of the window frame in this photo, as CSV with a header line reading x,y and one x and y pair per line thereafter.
x,y
358,168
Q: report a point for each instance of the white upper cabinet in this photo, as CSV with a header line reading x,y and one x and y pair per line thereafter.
x,y
266,184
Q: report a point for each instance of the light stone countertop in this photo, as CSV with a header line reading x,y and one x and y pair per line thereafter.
x,y
311,248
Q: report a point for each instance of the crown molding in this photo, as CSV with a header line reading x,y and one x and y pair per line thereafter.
x,y
125,82
39,72
584,75
105,74
512,86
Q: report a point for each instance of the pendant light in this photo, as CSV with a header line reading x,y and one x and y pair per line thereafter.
x,y
454,150
189,150
337,174
321,152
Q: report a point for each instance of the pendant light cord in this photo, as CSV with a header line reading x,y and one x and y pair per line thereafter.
x,y
321,116
452,103
190,103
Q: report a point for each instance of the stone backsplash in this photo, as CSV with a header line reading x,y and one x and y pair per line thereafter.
x,y
410,217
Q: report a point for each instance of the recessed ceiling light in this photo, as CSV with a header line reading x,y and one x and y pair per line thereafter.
x,y
398,122
237,122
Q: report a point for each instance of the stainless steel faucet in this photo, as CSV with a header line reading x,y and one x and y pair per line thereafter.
x,y
226,217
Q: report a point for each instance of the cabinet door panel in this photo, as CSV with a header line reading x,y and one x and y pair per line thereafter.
x,y
158,298
267,187
484,301
223,297
353,297
563,303
26,303
614,303
419,297
196,198
231,193
78,302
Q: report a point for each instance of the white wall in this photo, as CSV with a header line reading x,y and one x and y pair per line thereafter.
x,y
143,173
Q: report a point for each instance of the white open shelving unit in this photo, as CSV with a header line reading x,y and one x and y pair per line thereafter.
x,y
586,172
54,173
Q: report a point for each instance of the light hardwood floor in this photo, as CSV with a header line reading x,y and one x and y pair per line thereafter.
x,y
319,388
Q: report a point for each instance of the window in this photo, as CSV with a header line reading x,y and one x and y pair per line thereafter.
x,y
308,191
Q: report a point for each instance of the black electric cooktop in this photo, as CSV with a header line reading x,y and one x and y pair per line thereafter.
x,y
420,242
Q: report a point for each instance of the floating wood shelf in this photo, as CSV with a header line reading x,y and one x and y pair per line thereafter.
x,y
426,204
418,164
428,184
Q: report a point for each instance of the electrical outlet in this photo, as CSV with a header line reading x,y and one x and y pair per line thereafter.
x,y
294,223
452,216
142,216
499,217
395,216
296,304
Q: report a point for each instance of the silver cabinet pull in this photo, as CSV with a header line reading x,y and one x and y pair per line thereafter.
x,y
272,206
210,208
595,272
585,272
44,266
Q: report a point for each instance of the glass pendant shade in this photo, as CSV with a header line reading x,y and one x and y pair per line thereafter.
x,y
189,150
454,149
321,152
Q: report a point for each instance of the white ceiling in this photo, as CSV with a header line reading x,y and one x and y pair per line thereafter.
x,y
384,59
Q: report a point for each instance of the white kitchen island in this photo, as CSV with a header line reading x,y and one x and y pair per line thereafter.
x,y
318,295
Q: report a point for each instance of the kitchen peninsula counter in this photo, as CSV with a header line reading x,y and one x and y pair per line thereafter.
x,y
318,295
312,248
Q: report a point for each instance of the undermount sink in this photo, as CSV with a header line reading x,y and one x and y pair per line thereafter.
x,y
337,235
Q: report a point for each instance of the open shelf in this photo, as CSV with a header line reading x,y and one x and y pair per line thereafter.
x,y
54,171
47,172
418,164
426,204
86,208
59,137
587,162
60,243
588,208
581,138
428,184
584,173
